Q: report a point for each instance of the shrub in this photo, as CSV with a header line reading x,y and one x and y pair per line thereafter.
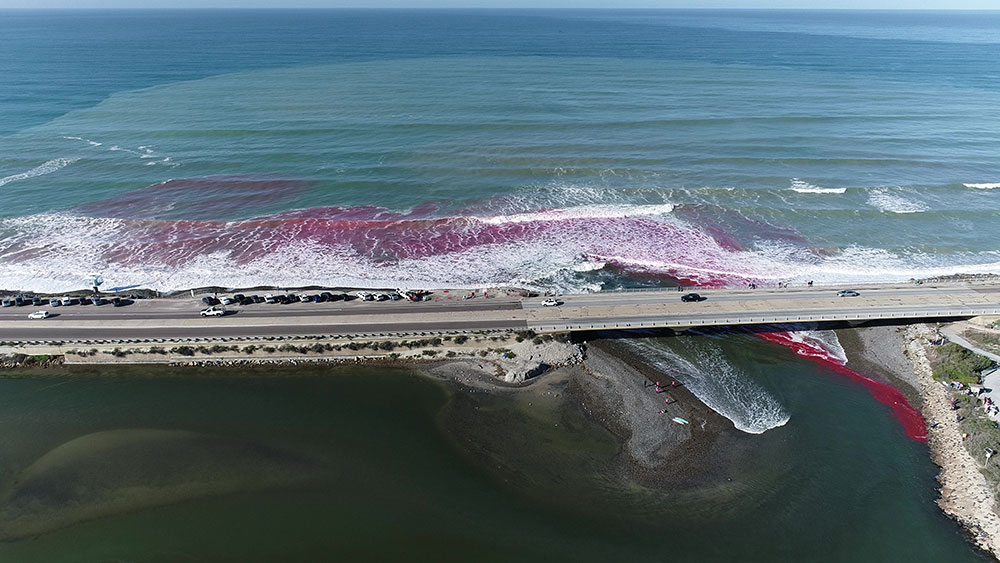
x,y
959,364
156,350
183,350
249,349
268,349
118,353
461,339
430,352
451,354
386,345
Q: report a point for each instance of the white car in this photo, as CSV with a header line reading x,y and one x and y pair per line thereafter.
x,y
847,293
550,302
67,301
227,301
39,315
213,312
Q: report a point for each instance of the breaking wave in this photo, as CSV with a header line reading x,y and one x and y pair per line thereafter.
x,y
718,384
890,202
983,186
804,187
46,168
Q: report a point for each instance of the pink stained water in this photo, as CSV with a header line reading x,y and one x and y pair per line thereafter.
x,y
913,424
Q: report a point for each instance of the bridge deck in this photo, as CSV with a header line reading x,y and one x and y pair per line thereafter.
x,y
178,318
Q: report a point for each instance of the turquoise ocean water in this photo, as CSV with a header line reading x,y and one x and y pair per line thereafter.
x,y
567,150
563,150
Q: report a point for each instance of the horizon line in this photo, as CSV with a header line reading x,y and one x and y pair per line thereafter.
x,y
480,8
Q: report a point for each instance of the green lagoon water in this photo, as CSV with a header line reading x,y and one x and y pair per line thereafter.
x,y
310,464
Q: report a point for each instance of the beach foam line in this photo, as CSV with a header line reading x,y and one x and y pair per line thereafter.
x,y
46,168
989,186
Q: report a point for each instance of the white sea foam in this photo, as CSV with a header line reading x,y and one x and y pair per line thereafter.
x,y
991,186
584,212
824,342
46,168
804,187
892,202
88,141
721,386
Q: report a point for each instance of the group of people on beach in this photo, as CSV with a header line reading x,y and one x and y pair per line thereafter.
x,y
659,387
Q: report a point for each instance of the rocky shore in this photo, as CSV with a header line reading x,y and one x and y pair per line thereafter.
x,y
898,355
966,495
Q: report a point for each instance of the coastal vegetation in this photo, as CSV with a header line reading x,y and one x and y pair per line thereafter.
x,y
955,363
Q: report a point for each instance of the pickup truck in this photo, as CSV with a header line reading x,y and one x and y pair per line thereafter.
x,y
213,312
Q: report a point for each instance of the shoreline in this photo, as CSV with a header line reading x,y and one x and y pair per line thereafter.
x,y
898,356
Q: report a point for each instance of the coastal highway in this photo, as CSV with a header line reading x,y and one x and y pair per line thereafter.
x,y
177,318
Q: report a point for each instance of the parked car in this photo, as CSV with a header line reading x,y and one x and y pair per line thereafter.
x,y
239,298
209,300
327,296
847,293
305,298
20,301
7,303
117,301
255,299
227,300
37,301
692,297
39,315
551,302
213,311
97,301
54,302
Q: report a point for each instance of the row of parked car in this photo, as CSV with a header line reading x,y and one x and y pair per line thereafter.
x,y
61,301
241,299
325,296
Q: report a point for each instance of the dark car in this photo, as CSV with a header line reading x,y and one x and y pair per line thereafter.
x,y
20,301
327,296
117,301
36,301
255,299
239,298
692,297
97,301
209,300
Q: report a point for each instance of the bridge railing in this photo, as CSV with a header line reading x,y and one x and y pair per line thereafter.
x,y
760,320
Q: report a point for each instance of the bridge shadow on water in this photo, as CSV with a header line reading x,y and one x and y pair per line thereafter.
x,y
628,334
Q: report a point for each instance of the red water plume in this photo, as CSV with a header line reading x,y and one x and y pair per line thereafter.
x,y
909,417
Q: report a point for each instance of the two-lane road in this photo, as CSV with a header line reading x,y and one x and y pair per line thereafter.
x,y
179,319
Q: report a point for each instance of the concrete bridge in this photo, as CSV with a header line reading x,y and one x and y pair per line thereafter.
x,y
448,312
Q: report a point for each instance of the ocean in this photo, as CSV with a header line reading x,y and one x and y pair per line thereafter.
x,y
559,150
565,150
